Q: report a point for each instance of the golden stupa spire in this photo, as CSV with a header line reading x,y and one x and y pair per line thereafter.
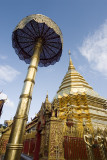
x,y
71,66
74,82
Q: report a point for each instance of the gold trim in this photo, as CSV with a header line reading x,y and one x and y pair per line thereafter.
x,y
25,96
79,79
14,146
21,117
72,86
94,116
31,66
68,81
28,79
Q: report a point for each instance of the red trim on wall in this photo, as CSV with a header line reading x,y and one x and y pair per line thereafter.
x,y
38,142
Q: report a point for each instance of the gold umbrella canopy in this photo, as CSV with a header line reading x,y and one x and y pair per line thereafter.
x,y
27,33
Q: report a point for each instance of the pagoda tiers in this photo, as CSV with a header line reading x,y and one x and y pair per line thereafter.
x,y
74,85
72,127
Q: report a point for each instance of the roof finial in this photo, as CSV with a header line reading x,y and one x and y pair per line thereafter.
x,y
71,66
46,100
69,52
47,94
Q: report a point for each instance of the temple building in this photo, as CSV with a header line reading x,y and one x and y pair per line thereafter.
x,y
71,127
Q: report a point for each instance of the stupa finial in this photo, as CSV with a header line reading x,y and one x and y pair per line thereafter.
x,y
71,66
69,52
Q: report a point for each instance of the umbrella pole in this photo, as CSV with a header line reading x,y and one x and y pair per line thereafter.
x,y
15,144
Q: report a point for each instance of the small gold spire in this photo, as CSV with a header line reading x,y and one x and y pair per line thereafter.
x,y
47,95
71,66
46,100
69,52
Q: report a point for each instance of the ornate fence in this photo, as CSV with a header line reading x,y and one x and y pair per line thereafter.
x,y
75,149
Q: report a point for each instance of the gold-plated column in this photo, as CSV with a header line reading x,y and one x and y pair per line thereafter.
x,y
15,144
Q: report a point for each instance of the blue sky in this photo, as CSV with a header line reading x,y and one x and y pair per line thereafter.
x,y
84,27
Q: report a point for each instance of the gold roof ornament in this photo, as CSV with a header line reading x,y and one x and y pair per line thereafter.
x,y
71,66
46,100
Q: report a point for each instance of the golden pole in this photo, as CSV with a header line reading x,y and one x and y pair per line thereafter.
x,y
15,144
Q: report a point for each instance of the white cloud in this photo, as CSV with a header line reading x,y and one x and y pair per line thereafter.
x,y
94,48
8,102
7,73
3,57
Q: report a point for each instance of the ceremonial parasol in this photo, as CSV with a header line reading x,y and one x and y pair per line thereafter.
x,y
37,40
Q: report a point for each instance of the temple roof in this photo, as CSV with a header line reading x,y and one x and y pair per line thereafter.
x,y
73,82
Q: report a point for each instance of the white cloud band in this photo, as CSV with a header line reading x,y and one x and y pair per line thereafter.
x,y
94,48
7,73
